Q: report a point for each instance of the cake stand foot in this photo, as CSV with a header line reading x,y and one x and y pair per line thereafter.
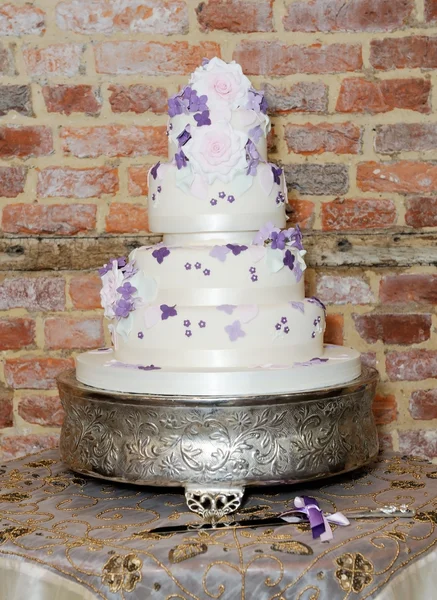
x,y
213,503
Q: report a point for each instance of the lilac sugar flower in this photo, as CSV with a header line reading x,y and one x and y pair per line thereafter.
x,y
276,174
160,253
234,331
254,278
178,104
213,202
253,158
181,160
278,240
298,271
123,307
252,270
187,266
149,368
286,329
313,335
154,170
312,361
294,236
236,249
315,300
227,308
153,197
222,195
298,306
289,260
206,272
231,199
263,105
318,319
202,118
278,326
219,252
188,333
265,233
126,290
167,311
253,100
202,324
129,270
255,134
197,103
184,136
121,262
140,335
283,320
205,61
187,323
159,189
198,265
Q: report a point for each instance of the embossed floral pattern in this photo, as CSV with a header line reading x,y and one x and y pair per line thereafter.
x,y
122,572
354,573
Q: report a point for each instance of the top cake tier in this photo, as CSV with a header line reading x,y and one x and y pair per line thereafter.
x,y
218,178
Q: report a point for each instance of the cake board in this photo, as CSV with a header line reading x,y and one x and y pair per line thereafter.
x,y
216,446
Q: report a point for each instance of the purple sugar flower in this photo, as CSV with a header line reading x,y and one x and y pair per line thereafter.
x,y
197,103
153,197
263,105
286,329
140,335
159,189
187,266
123,308
318,319
313,335
255,134
219,252
227,308
149,368
160,254
154,170
236,249
278,240
188,333
298,306
121,262
205,61
294,236
253,158
289,259
276,174
167,311
126,290
315,322
202,324
254,278
283,320
206,272
184,136
178,104
278,326
198,265
187,323
252,270
315,300
222,195
202,118
231,199
213,201
234,331
181,160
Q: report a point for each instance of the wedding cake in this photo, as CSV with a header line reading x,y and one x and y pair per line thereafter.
x,y
218,307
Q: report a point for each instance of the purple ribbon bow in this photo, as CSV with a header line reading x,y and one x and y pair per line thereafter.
x,y
319,522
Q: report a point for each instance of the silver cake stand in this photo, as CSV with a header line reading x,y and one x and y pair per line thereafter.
x,y
216,446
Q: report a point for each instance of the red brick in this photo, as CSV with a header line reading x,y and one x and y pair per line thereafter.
x,y
127,218
358,213
7,60
41,410
16,333
404,177
6,407
152,58
354,15
415,52
335,289
165,17
304,96
300,212
423,404
368,359
412,365
60,219
138,98
32,293
334,329
14,446
421,212
384,409
137,180
67,99
419,443
430,10
58,59
16,98
77,183
385,441
275,59
12,181
21,20
114,140
316,179
358,95
393,328
63,332
408,137
236,16
85,291
21,141
35,372
341,138
402,289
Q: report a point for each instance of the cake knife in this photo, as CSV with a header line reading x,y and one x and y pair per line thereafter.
x,y
390,511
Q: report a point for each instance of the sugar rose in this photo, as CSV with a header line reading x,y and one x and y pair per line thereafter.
x,y
216,152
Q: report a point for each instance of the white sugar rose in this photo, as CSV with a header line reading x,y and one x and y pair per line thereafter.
x,y
111,280
224,84
217,152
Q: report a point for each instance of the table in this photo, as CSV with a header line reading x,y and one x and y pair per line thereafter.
x,y
68,537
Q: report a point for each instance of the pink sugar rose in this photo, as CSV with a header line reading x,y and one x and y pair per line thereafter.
x,y
217,152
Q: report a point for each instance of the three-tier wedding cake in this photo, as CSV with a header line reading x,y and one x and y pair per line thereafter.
x,y
218,307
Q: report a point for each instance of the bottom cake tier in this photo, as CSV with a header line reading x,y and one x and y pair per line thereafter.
x,y
99,369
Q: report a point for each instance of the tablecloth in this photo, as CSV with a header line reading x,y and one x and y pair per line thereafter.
x,y
64,536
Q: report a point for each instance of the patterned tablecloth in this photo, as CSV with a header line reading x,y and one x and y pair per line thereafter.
x,y
92,536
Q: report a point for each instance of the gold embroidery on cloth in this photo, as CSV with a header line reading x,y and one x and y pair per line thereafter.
x,y
292,547
122,572
407,485
430,515
12,533
41,463
15,497
186,551
355,572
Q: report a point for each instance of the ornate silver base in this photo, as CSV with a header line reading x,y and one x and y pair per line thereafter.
x,y
216,446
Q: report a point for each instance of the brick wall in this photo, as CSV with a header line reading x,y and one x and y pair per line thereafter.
x,y
353,93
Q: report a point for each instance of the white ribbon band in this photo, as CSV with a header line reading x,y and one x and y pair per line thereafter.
x,y
219,296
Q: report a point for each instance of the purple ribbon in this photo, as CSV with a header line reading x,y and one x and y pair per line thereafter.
x,y
319,522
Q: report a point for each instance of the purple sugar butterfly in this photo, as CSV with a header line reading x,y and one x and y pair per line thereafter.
x,y
234,331
236,249
219,252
